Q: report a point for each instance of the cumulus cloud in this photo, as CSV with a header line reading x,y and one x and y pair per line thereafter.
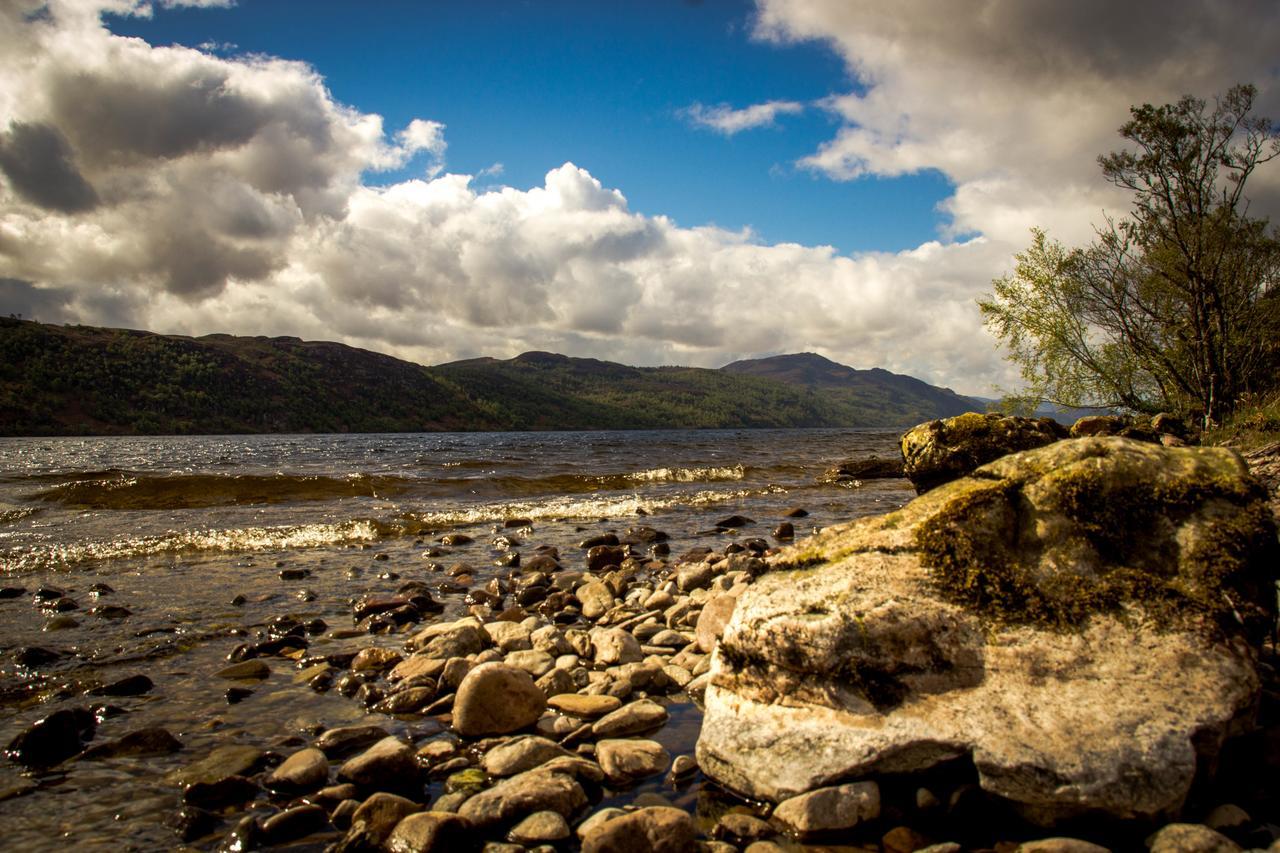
x,y
1013,99
723,118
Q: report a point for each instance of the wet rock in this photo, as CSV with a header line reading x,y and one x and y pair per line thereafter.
x,y
784,532
133,685
683,768
375,660
32,657
192,822
904,839
496,699
228,791
826,809
110,611
236,695
247,834
869,468
544,827
583,705
612,646
424,832
943,450
388,764
643,535
733,522
981,619
450,639
292,824
741,828
223,761
523,794
520,754
249,669
374,821
454,539
143,742
412,700
601,557
594,541
639,717
796,512
53,739
294,574
625,761
657,829
305,770
1190,838
12,592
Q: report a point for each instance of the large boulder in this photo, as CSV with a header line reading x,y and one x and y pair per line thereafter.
x,y
1076,618
939,451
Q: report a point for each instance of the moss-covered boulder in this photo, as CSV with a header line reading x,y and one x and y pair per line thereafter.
x,y
1077,618
939,451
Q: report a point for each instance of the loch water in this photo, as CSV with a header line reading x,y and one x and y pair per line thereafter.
x,y
177,527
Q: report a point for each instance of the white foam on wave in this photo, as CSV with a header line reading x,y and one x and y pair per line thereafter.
x,y
242,539
575,507
688,475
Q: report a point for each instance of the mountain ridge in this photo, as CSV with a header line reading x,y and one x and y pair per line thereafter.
x,y
86,380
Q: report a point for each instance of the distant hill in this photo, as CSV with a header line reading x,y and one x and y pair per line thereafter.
x,y
892,394
60,380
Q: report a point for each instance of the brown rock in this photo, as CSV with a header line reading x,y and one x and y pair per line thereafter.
x,y
496,699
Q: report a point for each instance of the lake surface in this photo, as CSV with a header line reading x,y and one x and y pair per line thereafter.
x,y
177,527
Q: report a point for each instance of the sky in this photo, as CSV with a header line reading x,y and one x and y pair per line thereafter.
x,y
651,182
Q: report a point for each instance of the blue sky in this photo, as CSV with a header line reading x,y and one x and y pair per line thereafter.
x,y
601,84
326,170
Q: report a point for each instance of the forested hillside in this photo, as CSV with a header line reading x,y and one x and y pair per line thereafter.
x,y
72,380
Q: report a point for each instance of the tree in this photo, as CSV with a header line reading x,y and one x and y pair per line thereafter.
x,y
1172,307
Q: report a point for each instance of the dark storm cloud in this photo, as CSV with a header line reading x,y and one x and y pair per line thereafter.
x,y
41,168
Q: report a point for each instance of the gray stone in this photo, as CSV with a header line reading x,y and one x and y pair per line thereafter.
x,y
638,717
374,821
615,646
496,699
714,617
657,829
424,832
1190,838
625,760
536,663
544,827
523,794
943,450
305,770
826,809
595,598
389,763
520,754
890,662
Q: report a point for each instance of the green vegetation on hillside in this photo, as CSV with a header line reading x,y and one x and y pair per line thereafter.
x,y
58,380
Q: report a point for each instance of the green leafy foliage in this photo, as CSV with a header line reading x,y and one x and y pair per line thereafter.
x,y
1174,307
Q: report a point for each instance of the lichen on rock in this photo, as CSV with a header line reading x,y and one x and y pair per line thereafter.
x,y
1077,618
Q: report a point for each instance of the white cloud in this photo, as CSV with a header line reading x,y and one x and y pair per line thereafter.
x,y
725,119
1014,99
